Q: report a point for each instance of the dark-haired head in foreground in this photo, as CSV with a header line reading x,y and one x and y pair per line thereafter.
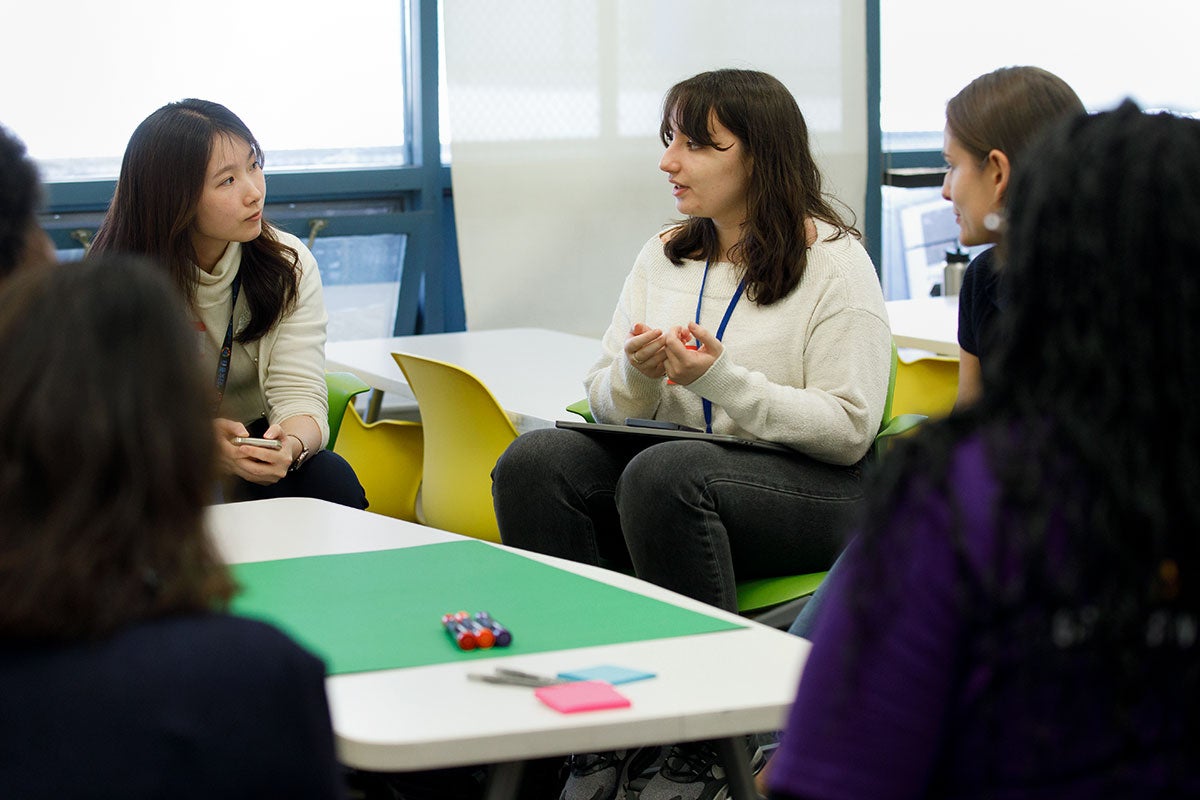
x,y
22,241
106,453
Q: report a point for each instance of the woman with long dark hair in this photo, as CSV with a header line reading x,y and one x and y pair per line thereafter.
x,y
759,315
191,195
1019,616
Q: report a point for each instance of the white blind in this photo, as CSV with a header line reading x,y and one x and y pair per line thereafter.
x,y
553,121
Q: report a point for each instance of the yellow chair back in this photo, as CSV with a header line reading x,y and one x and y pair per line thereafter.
x,y
927,385
387,457
466,430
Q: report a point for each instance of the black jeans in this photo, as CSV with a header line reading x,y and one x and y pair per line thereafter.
x,y
687,515
324,476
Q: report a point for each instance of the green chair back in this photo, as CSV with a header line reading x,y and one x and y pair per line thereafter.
x,y
342,387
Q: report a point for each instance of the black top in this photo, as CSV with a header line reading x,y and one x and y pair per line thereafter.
x,y
200,706
979,304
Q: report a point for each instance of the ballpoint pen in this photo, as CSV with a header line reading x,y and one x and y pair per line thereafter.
x,y
514,677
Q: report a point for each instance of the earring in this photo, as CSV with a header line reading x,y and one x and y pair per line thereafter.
x,y
993,221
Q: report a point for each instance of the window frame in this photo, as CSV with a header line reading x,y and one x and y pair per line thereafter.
x,y
418,194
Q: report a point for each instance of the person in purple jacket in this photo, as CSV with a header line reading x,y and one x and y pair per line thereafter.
x,y
1019,615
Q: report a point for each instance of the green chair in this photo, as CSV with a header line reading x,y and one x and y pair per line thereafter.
x,y
386,455
342,387
776,601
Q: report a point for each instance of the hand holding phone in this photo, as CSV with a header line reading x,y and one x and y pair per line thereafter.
x,y
272,444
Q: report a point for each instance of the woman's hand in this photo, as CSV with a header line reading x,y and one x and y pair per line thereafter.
x,y
260,465
645,348
685,362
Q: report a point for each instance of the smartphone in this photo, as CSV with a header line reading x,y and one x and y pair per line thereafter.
x,y
273,444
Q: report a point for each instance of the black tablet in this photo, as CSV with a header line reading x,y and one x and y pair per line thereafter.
x,y
604,429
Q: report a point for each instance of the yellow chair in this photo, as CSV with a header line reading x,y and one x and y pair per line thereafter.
x,y
386,455
466,430
926,385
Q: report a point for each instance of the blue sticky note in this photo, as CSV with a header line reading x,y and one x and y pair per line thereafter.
x,y
607,673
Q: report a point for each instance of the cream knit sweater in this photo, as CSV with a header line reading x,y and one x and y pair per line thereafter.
x,y
809,371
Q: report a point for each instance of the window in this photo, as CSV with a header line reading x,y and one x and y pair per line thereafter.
x,y
342,97
930,49
305,75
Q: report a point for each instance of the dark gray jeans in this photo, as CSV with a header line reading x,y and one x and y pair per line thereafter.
x,y
687,515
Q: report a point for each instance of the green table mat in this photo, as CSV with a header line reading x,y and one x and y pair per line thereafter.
x,y
383,609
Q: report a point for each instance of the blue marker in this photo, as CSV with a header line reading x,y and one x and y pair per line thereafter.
x,y
503,637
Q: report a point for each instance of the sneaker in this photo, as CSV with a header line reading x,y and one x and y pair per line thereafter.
x,y
693,771
593,776
640,766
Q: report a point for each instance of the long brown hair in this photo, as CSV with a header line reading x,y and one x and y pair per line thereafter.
x,y
785,182
155,204
106,453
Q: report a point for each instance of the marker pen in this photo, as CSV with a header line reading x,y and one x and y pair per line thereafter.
x,y
502,635
461,635
483,635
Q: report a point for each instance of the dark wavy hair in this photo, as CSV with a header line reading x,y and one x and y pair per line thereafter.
x,y
155,206
106,453
785,182
1088,422
20,197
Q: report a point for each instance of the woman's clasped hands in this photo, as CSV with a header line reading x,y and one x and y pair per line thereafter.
x,y
682,354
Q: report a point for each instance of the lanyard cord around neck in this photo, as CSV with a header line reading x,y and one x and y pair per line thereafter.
x,y
227,347
704,401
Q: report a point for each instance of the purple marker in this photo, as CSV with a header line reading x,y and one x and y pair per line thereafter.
x,y
503,637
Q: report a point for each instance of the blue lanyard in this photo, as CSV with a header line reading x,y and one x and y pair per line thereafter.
x,y
704,401
226,348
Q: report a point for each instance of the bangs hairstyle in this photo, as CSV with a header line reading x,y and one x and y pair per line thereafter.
x,y
156,202
106,454
785,183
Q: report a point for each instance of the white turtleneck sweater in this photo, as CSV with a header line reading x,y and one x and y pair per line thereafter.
x,y
281,375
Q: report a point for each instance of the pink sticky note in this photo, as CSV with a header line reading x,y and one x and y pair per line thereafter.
x,y
570,698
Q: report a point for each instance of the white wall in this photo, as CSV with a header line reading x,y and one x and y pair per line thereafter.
x,y
554,111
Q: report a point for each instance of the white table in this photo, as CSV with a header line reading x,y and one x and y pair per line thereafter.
x,y
533,372
708,686
926,323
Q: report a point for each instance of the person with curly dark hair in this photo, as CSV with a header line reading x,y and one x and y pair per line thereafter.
x,y
1019,615
191,195
122,673
22,240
